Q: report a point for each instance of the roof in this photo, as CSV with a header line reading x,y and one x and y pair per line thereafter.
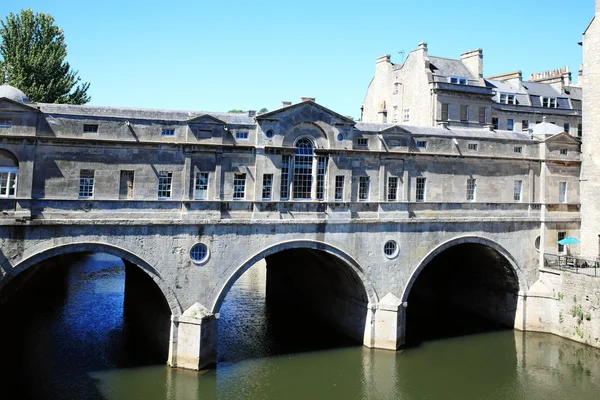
x,y
542,89
447,132
574,92
142,113
449,67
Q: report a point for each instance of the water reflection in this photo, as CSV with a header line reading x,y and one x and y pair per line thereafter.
x,y
75,350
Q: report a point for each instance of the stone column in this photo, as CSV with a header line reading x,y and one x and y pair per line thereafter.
x,y
194,339
389,323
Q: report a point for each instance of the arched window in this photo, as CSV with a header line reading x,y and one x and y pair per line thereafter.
x,y
307,169
303,169
9,169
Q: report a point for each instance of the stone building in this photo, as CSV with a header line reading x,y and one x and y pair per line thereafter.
x,y
428,91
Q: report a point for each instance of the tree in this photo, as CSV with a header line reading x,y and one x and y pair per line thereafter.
x,y
263,110
33,52
236,111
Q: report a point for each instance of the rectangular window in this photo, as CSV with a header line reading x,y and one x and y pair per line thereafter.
x,y
363,188
8,182
562,192
86,183
406,115
561,247
471,189
201,186
395,115
510,124
544,102
525,124
90,128
552,103
167,132
444,111
482,119
392,192
567,127
267,186
396,86
564,152
517,190
579,130
126,185
239,186
420,194
464,113
165,178
5,122
473,146
362,142
241,135
495,123
339,187
421,144
506,98
518,149
284,191
321,171
458,80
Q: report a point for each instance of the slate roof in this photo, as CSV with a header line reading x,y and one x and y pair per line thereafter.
x,y
449,132
141,113
574,92
541,89
449,67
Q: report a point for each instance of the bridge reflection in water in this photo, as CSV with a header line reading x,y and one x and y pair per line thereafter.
x,y
75,345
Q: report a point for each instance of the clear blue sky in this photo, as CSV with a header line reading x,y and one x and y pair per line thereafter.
x,y
219,55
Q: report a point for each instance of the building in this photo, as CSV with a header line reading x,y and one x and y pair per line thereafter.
x,y
428,91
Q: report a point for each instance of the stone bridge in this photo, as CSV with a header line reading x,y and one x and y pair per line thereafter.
x,y
357,274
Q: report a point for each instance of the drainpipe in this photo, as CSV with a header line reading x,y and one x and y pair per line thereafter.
x,y
543,203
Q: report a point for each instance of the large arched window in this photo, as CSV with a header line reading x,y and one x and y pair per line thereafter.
x,y
308,173
9,169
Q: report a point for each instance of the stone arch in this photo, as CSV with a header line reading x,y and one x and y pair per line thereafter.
x,y
464,240
307,129
368,287
111,249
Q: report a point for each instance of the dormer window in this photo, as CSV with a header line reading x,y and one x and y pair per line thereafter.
x,y
549,102
241,135
458,80
90,128
506,98
167,132
363,142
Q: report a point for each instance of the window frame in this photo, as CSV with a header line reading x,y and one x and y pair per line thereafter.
x,y
458,80
267,187
86,183
518,190
201,185
510,124
242,135
421,144
167,132
362,142
165,184
339,188
562,249
525,125
473,147
482,115
420,188
406,114
10,172
464,113
518,149
239,186
392,188
445,112
562,192
91,128
6,122
471,189
364,187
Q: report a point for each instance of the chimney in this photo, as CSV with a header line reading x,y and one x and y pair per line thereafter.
x,y
422,47
251,113
557,78
382,59
474,61
307,99
286,103
515,75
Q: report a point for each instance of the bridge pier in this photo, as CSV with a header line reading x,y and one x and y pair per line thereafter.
x,y
194,339
390,319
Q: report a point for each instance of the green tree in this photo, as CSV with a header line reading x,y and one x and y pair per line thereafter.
x,y
33,52
263,110
236,111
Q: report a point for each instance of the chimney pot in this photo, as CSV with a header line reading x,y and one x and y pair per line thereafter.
x,y
286,103
251,113
307,99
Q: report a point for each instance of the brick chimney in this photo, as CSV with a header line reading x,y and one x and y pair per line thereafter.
x,y
473,59
558,78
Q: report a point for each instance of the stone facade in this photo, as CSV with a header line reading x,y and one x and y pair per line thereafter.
x,y
428,91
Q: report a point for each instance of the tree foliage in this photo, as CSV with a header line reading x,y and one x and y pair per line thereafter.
x,y
236,111
33,53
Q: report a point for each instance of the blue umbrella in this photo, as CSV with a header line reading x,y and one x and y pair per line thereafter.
x,y
569,240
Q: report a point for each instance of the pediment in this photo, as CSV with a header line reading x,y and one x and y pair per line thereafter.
x,y
205,119
563,138
8,105
396,129
309,111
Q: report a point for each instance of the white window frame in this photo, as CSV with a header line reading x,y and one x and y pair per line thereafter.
x,y
473,146
507,98
392,188
562,192
471,189
406,114
167,132
165,184
458,80
6,174
364,188
201,186
339,188
242,135
518,190
86,183
421,144
239,186
518,149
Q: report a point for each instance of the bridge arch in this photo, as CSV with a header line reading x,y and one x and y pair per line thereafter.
x,y
465,285
341,255
97,247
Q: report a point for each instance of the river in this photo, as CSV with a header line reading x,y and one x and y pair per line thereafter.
x,y
75,346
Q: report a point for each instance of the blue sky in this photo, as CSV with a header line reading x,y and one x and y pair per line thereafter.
x,y
219,55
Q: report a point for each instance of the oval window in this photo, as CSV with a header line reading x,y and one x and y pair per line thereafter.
x,y
340,136
390,249
270,133
199,253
